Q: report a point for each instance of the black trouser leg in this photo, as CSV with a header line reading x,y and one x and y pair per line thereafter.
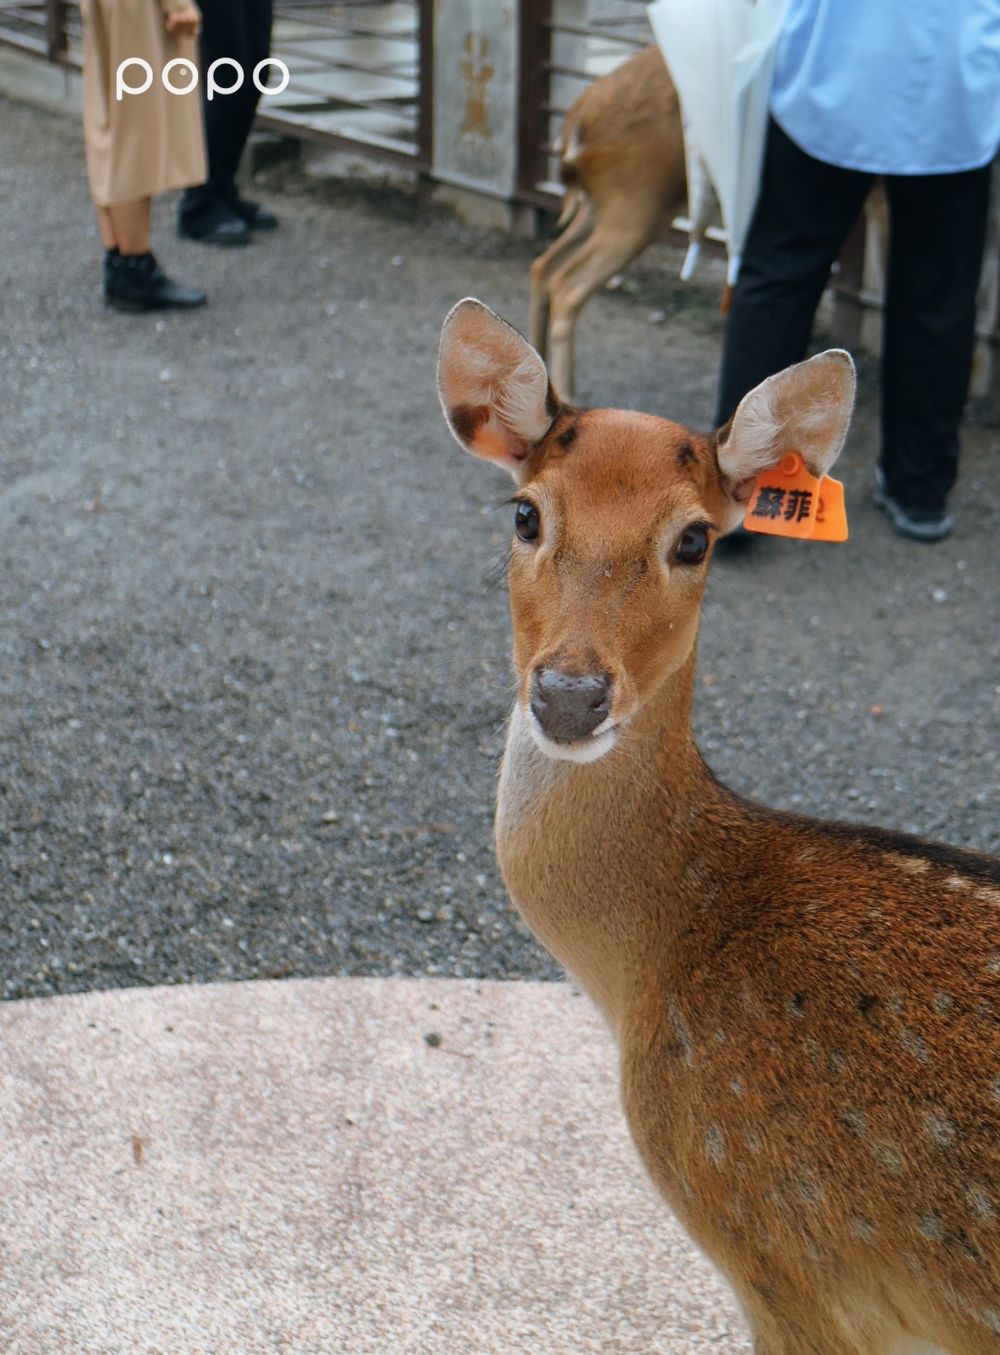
x,y
805,211
938,231
241,30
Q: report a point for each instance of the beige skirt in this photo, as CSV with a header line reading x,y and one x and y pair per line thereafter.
x,y
144,143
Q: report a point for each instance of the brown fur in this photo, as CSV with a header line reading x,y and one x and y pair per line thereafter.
x,y
807,1012
623,165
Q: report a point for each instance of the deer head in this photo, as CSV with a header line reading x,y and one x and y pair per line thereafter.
x,y
616,514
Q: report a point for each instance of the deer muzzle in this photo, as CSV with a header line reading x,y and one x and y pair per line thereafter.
x,y
569,706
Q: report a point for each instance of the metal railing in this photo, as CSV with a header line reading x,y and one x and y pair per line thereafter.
x,y
360,75
46,28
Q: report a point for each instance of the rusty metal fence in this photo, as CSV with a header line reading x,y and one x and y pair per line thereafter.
x,y
360,75
47,28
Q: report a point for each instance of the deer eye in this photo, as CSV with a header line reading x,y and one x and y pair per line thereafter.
x,y
693,545
527,523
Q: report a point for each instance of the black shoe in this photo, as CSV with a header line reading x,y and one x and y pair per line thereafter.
x,y
216,225
255,214
135,282
919,524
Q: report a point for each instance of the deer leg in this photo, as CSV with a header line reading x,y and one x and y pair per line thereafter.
x,y
610,248
541,271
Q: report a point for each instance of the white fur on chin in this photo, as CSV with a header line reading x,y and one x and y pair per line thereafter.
x,y
588,749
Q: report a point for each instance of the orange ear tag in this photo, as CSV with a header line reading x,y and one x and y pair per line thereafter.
x,y
831,517
787,501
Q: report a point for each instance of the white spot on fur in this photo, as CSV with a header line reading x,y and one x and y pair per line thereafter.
x,y
913,865
889,1158
737,1209
856,1121
748,1000
752,1141
958,882
811,1191
930,1225
913,1044
944,1002
979,1202
812,1047
988,894
715,1149
939,1129
681,1031
863,1227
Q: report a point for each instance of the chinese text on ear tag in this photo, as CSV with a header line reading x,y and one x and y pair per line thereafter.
x,y
787,501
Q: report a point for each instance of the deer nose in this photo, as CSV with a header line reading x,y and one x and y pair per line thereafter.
x,y
569,706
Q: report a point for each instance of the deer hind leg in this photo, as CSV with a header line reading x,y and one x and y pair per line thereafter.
x,y
611,247
541,272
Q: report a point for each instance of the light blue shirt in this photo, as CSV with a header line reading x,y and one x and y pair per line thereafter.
x,y
891,86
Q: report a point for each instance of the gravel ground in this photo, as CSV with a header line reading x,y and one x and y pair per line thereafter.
x,y
252,673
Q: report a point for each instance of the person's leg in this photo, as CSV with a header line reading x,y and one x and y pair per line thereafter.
x,y
133,281
240,29
937,235
105,227
257,17
804,213
223,34
128,226
204,211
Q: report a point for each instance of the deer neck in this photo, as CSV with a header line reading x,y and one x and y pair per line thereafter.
x,y
606,861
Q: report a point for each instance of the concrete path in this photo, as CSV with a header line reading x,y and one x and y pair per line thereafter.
x,y
332,1165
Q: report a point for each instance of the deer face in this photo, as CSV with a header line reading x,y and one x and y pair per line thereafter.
x,y
615,515
607,569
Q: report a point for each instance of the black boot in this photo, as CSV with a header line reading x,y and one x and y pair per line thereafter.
x,y
204,215
135,282
255,214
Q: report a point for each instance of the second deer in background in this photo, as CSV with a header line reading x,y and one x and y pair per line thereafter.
x,y
622,163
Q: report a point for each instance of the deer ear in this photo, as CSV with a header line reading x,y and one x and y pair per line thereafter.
x,y
805,409
494,388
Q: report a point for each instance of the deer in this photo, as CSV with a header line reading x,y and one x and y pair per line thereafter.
x,y
806,1012
623,166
